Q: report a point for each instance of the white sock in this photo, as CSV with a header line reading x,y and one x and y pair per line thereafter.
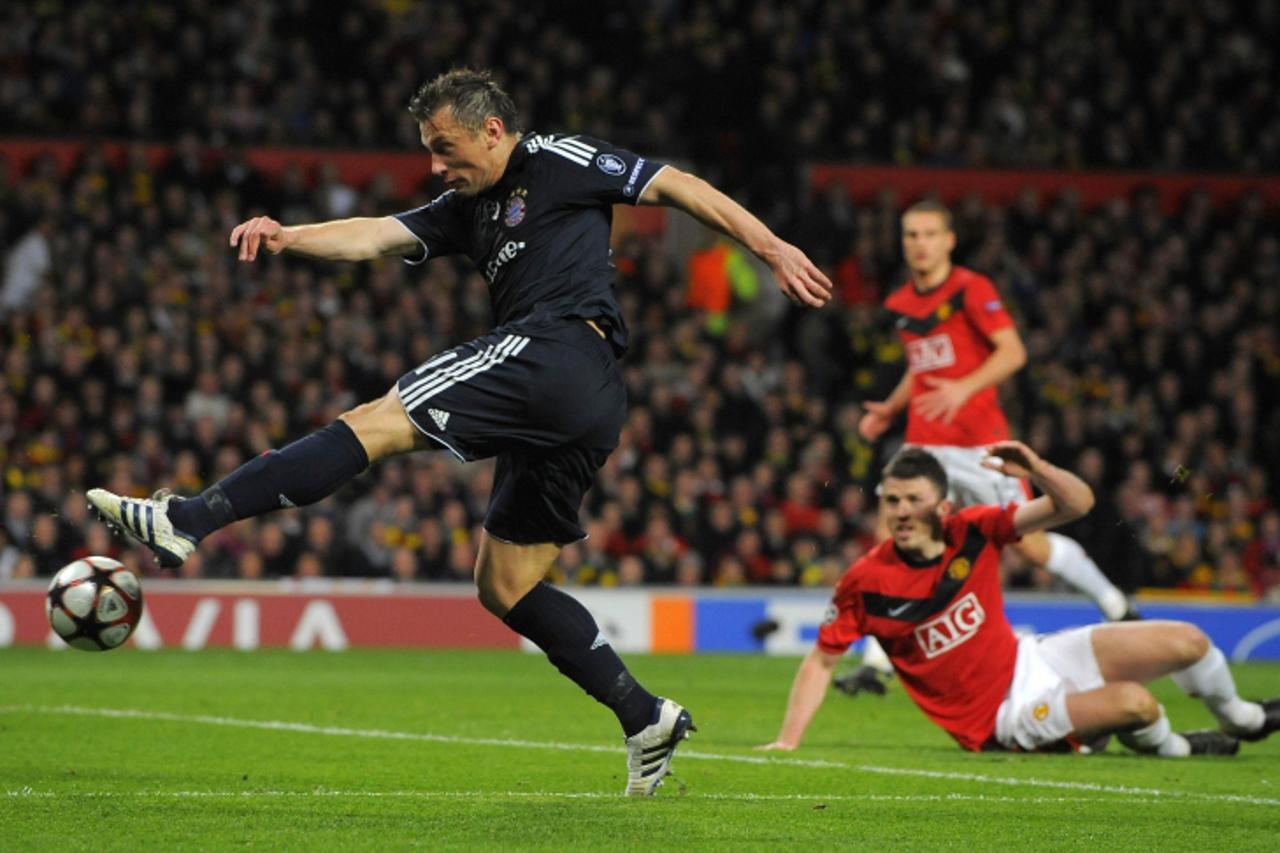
x,y
1157,738
1068,561
874,656
1209,680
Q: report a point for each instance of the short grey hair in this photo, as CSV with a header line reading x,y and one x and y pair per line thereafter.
x,y
472,93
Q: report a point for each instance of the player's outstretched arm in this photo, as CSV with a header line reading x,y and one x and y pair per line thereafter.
x,y
1066,497
879,416
801,281
807,693
358,239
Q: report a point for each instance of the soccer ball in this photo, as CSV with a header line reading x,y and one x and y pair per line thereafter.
x,y
94,604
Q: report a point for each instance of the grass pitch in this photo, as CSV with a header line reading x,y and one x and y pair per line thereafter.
x,y
447,750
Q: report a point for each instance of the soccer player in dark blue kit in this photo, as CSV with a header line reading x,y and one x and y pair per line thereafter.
x,y
542,392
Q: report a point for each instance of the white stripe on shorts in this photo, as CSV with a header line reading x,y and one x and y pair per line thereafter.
x,y
464,370
457,367
453,370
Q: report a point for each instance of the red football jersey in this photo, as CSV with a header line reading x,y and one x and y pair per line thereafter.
x,y
947,333
941,623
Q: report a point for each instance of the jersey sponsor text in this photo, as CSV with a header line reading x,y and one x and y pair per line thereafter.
x,y
505,254
931,353
958,623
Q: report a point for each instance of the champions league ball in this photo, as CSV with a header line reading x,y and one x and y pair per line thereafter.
x,y
94,604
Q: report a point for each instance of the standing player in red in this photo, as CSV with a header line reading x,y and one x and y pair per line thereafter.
x,y
961,344
931,595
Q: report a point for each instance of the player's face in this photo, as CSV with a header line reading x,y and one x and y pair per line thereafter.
x,y
913,509
926,241
464,159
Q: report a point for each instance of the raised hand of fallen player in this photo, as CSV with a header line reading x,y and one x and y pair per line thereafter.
x,y
943,401
1012,458
259,232
798,279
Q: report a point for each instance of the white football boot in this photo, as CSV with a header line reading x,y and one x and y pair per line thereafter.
x,y
145,520
649,751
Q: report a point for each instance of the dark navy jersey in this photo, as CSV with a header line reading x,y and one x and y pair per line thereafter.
x,y
540,235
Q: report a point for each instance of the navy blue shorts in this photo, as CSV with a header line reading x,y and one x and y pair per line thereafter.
x,y
548,400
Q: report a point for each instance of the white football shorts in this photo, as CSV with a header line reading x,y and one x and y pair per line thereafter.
x,y
1050,668
970,483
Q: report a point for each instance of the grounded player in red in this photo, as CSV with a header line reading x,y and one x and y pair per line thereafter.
x,y
931,595
961,344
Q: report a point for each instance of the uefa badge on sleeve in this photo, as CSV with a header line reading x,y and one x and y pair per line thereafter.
x,y
611,164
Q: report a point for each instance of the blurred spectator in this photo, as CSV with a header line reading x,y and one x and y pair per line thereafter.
x,y
1262,555
25,267
1154,352
1173,86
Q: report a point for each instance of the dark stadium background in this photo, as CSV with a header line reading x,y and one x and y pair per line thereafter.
x,y
1112,166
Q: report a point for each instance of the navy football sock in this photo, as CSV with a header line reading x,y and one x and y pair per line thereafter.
x,y
308,470
563,628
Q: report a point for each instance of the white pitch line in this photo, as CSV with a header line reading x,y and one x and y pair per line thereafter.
x,y
382,734
817,799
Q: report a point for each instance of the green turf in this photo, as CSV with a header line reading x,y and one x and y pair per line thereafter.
x,y
72,781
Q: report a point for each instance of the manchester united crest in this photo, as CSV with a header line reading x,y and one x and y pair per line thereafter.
x,y
944,310
958,569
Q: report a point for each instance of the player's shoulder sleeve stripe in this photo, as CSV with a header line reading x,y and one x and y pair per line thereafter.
x,y
569,147
568,154
573,143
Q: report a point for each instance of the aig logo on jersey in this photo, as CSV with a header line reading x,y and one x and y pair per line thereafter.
x,y
930,353
958,623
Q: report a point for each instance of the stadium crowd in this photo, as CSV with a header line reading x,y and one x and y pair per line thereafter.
x,y
1178,85
137,353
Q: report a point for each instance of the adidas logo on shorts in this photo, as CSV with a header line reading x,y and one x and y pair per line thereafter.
x,y
441,418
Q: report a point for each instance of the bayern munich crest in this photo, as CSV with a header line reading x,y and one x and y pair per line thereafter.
x,y
516,207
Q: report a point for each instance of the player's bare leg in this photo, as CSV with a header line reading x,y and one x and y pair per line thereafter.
x,y
1063,557
1118,707
301,473
1145,651
1128,710
505,572
1140,652
383,428
509,579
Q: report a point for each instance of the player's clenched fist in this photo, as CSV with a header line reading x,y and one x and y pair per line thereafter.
x,y
261,231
